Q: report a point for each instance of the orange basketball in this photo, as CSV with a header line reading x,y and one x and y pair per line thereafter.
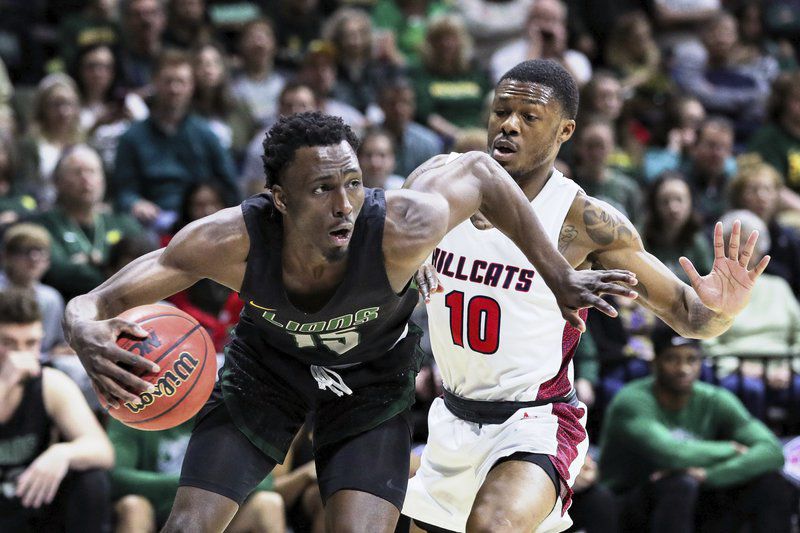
x,y
185,353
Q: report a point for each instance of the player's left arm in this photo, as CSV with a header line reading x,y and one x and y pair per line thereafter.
x,y
704,309
85,443
438,196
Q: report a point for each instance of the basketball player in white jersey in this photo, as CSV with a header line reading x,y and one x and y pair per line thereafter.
x,y
508,438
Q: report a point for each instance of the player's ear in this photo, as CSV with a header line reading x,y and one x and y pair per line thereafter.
x,y
566,130
279,197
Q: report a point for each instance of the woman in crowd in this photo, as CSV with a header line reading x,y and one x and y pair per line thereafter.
x,y
106,108
214,306
56,125
359,71
675,136
673,228
12,206
450,87
258,83
229,117
757,188
602,98
767,329
376,156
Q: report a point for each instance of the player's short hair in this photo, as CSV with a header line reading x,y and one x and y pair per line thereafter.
x,y
25,235
19,306
550,74
291,133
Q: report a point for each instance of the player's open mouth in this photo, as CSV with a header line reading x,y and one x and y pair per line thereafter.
x,y
503,150
340,236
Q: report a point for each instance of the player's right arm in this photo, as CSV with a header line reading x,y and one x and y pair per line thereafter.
x,y
596,231
215,247
439,195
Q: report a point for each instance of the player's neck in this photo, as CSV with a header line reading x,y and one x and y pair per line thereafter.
x,y
669,399
534,181
302,260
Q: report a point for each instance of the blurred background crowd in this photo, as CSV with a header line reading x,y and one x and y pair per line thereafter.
x,y
121,121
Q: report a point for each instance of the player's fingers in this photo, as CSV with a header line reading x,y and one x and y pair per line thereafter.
x,y
574,319
621,276
100,396
133,360
719,242
688,267
604,307
129,328
422,286
747,251
116,391
733,245
759,268
618,290
125,378
432,279
105,385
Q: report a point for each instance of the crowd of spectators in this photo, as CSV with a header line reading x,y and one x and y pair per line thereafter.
x,y
122,121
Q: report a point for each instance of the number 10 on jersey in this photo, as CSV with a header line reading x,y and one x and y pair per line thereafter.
x,y
482,322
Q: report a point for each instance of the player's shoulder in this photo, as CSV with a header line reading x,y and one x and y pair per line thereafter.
x,y
604,224
416,214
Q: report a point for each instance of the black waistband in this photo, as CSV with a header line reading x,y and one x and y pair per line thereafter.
x,y
495,412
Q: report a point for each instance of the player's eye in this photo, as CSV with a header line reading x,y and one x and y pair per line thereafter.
x,y
500,112
530,117
355,184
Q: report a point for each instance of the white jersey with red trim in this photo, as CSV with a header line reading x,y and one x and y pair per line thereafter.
x,y
496,331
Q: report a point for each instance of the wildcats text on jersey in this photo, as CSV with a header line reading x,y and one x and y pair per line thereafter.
x,y
480,271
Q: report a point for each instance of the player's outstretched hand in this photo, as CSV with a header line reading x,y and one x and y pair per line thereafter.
x,y
95,342
584,288
726,289
428,281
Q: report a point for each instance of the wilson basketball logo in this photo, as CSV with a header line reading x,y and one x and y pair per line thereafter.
x,y
168,383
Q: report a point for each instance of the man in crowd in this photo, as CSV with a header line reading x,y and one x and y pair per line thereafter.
x,y
676,450
160,157
26,257
414,143
81,229
45,485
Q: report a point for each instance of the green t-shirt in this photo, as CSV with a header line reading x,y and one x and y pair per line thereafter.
x,y
20,204
459,99
78,254
640,437
699,252
409,32
781,150
149,463
618,190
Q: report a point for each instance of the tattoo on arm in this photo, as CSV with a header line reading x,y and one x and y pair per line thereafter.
x,y
565,238
604,227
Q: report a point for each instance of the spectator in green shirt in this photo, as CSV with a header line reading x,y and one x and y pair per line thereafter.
x,y
594,146
145,480
672,227
160,157
671,446
778,141
82,228
406,21
450,87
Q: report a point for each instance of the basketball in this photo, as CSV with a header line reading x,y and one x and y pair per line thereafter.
x,y
185,353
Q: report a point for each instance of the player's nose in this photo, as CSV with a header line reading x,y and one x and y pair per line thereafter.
x,y
510,125
342,206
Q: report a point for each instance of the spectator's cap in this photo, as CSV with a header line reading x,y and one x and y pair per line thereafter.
x,y
320,48
664,338
25,235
